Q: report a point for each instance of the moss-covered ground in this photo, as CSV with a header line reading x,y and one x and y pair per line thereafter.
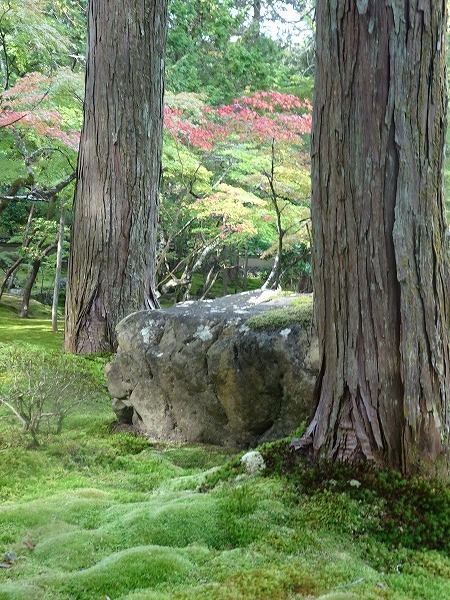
x,y
36,330
95,514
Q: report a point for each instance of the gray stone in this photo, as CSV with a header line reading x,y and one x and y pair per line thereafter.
x,y
197,373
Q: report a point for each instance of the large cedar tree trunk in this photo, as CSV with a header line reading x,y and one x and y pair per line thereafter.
x,y
111,271
381,272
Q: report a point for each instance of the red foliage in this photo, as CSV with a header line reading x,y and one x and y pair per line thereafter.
x,y
24,103
263,115
202,135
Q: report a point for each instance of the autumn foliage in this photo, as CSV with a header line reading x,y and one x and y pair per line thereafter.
x,y
264,115
26,104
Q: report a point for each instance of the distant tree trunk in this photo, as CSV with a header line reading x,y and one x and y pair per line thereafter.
x,y
257,12
210,280
59,255
224,280
25,306
28,236
35,266
112,261
381,271
273,280
256,20
245,269
9,273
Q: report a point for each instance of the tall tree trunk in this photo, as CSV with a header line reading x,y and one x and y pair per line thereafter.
x,y
112,261
255,27
381,271
257,14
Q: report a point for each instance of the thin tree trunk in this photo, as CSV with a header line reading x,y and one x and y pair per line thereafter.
x,y
256,18
112,261
26,234
224,280
25,306
274,275
245,285
380,260
8,274
35,266
59,254
9,277
210,280
273,280
196,263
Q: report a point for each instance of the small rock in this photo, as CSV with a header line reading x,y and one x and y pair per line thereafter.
x,y
10,556
253,462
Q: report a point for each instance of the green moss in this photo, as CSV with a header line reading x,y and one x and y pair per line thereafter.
x,y
266,583
35,330
135,568
299,311
112,515
408,511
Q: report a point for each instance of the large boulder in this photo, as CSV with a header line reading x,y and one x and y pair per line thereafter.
x,y
234,371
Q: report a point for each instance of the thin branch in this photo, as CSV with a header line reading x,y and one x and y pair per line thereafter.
x,y
39,151
13,410
49,193
42,195
24,151
26,114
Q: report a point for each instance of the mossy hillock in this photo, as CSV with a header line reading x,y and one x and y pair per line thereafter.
x,y
95,513
299,311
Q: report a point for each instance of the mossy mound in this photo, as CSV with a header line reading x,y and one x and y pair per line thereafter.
x,y
301,311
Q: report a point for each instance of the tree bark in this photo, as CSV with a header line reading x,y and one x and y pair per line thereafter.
x,y
111,267
381,270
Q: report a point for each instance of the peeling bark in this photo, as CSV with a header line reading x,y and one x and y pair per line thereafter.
x,y
380,255
114,229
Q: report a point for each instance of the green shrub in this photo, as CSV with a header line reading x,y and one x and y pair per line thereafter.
x,y
40,388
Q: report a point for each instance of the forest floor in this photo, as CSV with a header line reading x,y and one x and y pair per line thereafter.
x,y
93,514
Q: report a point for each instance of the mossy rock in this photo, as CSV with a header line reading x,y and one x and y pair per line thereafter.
x,y
300,311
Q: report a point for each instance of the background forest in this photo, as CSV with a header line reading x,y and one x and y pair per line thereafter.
x,y
235,190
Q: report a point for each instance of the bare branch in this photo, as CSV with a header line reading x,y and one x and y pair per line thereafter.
x,y
13,410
